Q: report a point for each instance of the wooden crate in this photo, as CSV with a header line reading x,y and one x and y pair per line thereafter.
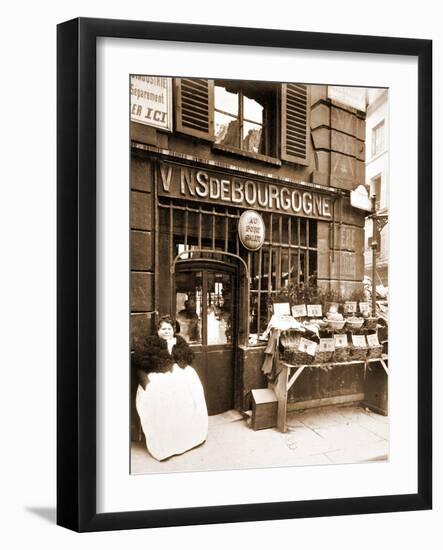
x,y
264,409
376,389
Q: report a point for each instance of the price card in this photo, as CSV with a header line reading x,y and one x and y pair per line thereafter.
x,y
341,340
359,340
282,308
314,310
350,307
364,307
373,340
308,346
327,344
299,311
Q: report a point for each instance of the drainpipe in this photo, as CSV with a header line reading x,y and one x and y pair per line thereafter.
x,y
374,257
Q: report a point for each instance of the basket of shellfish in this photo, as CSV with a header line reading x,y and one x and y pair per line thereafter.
x,y
358,353
354,323
297,357
375,352
371,323
341,355
323,356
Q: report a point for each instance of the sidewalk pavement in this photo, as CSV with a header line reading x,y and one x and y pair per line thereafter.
x,y
327,435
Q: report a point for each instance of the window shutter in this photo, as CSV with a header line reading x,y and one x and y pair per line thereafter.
x,y
195,107
295,123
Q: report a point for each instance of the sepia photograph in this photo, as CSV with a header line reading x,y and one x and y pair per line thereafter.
x,y
259,258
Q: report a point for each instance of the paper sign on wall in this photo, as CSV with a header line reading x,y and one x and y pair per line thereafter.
x,y
359,340
307,346
327,344
299,310
350,307
373,340
314,310
151,101
341,340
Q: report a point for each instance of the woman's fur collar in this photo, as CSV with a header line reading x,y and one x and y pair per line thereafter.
x,y
153,355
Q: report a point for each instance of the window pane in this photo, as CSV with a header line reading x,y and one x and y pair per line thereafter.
x,y
219,308
226,101
226,130
252,134
378,138
313,233
252,110
188,305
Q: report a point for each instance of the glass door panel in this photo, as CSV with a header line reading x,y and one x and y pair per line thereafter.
x,y
189,305
219,308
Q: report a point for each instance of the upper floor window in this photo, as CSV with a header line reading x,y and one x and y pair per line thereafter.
x,y
239,119
266,120
378,138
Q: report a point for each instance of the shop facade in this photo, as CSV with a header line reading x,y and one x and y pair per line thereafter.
x,y
290,153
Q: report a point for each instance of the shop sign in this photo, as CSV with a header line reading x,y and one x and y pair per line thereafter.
x,y
314,310
251,231
360,199
151,101
215,187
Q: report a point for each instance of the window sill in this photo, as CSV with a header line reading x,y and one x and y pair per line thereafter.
x,y
246,154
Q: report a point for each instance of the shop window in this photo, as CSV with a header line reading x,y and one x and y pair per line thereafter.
x,y
378,138
286,262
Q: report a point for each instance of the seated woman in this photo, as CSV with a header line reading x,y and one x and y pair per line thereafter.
x,y
170,399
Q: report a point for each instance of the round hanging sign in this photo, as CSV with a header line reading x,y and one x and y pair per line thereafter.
x,y
251,230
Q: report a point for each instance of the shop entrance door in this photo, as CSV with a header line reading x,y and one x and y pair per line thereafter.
x,y
205,301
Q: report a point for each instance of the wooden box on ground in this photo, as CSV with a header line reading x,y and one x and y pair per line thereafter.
x,y
264,409
376,389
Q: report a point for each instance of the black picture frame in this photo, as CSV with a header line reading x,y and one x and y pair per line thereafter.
x,y
76,265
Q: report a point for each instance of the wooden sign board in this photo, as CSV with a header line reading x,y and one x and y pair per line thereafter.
x,y
299,310
359,340
327,344
314,310
307,346
341,340
373,340
350,307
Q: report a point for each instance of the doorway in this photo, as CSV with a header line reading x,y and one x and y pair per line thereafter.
x,y
207,318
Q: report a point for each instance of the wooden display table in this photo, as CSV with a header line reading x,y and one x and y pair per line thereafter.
x,y
289,374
